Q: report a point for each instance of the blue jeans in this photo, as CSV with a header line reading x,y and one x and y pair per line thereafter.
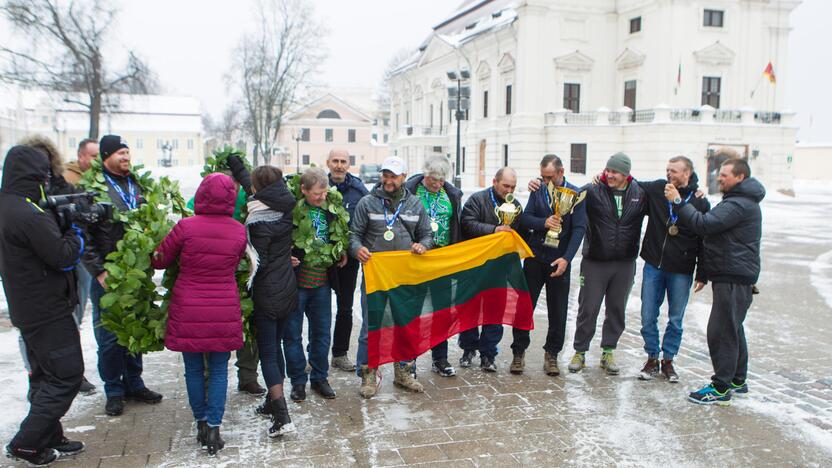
x,y
486,341
207,405
120,371
654,284
269,334
316,304
362,357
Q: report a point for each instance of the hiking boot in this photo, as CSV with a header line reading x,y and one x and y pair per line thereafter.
x,y
550,364
281,422
518,363
709,395
201,433
34,457
114,406
467,357
213,441
650,369
487,364
68,447
86,387
668,371
252,388
403,377
322,388
577,363
145,395
298,393
739,388
443,368
369,385
608,363
343,363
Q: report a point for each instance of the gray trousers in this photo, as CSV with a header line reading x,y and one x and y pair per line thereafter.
x,y
610,281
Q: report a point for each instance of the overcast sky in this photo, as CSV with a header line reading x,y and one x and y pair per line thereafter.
x,y
189,43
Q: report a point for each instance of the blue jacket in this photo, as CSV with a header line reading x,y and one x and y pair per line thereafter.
x,y
533,222
353,190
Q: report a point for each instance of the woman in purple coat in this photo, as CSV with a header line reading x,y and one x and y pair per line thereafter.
x,y
204,315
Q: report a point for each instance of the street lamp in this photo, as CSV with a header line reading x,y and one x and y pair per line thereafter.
x,y
297,139
459,98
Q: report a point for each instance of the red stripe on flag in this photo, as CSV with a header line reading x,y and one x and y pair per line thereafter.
x,y
493,306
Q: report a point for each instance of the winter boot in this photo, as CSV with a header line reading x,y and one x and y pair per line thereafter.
x,y
404,377
550,364
213,441
264,409
281,422
201,433
518,363
369,385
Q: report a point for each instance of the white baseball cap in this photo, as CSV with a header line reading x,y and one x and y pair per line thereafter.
x,y
394,164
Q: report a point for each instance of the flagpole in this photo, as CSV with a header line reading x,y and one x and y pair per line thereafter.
x,y
756,86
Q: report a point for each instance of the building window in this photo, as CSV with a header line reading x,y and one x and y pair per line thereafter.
x,y
328,134
430,117
72,143
635,25
407,117
710,91
386,138
386,122
485,104
328,114
175,143
508,99
630,94
304,134
441,115
305,160
578,158
713,18
352,160
139,143
190,144
505,155
375,136
351,135
572,97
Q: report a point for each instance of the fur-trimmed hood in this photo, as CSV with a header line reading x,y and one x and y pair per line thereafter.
x,y
47,146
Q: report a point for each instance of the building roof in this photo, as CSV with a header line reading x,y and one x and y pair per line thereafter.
x,y
353,108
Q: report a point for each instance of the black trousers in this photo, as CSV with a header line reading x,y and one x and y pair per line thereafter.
x,y
54,351
726,335
347,277
557,303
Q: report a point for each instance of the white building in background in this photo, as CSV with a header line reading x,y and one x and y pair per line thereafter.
x,y
157,128
587,78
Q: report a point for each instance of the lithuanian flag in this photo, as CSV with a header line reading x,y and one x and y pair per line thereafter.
x,y
415,302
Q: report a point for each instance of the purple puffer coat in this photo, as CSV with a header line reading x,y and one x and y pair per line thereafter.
x,y
204,313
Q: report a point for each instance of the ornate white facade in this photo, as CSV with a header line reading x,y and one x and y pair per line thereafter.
x,y
530,60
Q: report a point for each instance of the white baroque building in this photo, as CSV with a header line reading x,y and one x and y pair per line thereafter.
x,y
587,78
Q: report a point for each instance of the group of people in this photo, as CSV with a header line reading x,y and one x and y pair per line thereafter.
x,y
46,271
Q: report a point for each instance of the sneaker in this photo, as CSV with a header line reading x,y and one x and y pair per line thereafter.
x,y
403,377
650,369
443,368
67,448
33,457
281,422
550,364
487,364
608,363
577,363
669,372
252,388
369,385
114,406
467,357
86,387
343,363
145,395
709,395
322,388
739,389
298,393
518,363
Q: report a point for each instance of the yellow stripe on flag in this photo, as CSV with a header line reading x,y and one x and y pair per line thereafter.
x,y
433,264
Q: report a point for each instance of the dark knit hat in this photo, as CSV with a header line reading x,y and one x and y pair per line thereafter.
x,y
619,162
110,144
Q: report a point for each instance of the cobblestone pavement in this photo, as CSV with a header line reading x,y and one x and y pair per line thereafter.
x,y
476,419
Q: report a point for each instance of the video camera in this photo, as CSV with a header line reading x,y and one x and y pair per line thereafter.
x,y
77,207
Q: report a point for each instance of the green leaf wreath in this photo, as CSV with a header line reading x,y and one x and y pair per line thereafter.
x,y
316,253
132,300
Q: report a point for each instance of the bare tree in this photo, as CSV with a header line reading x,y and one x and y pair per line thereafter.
x,y
226,130
64,53
274,65
383,94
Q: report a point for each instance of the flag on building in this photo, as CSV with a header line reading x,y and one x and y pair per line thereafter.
x,y
415,302
769,73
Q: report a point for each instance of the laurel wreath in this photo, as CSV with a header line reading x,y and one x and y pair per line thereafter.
x,y
316,253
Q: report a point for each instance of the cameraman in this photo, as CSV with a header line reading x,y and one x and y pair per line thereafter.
x,y
36,264
120,371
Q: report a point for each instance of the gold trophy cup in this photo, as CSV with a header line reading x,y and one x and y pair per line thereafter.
x,y
507,211
564,201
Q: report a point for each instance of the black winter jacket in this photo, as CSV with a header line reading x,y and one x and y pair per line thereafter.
x,y
274,289
732,231
36,259
454,194
478,216
674,254
102,237
533,221
609,237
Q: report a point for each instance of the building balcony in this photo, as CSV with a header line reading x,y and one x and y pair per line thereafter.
x,y
427,135
665,115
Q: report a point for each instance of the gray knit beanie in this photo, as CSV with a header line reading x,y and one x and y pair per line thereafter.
x,y
619,162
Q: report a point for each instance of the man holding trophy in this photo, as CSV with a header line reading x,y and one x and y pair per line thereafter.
x,y
486,212
555,220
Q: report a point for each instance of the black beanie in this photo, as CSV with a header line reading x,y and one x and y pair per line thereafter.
x,y
110,144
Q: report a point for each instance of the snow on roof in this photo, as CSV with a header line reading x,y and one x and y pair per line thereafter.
x,y
119,103
486,23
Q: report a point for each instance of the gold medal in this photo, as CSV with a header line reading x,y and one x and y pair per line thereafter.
x,y
389,235
434,226
673,230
